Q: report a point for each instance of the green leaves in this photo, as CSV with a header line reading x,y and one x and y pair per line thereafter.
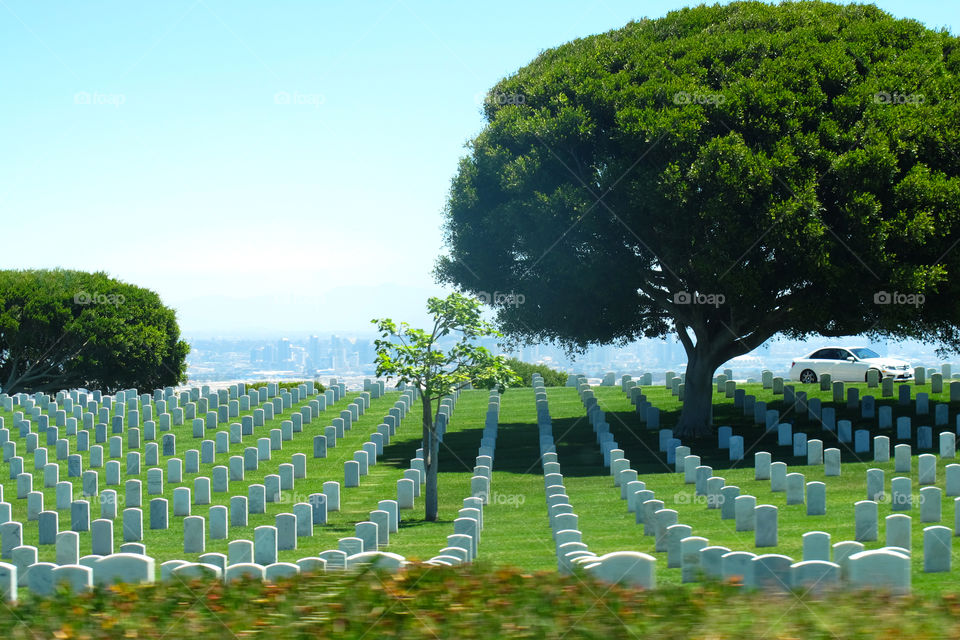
x,y
62,329
778,155
414,356
551,377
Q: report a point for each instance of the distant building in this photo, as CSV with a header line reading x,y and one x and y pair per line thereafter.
x,y
283,350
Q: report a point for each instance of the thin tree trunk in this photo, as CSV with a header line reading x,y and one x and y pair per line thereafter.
x,y
433,489
430,449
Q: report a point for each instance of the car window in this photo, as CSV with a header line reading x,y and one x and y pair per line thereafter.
x,y
843,354
822,354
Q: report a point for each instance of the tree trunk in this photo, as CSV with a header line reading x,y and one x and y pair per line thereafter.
x,y
430,451
433,489
717,341
696,418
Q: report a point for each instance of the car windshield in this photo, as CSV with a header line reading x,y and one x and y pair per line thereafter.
x,y
865,353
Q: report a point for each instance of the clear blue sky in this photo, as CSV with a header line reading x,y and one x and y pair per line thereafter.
x,y
270,166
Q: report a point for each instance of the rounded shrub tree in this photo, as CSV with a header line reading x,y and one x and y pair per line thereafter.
x,y
724,173
63,329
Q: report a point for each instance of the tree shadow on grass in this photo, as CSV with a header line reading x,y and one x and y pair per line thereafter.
x,y
347,529
412,523
518,450
642,447
399,452
458,451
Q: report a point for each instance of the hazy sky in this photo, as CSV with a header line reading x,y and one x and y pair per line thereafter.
x,y
269,166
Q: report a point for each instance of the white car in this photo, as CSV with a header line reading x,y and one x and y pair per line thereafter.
x,y
847,364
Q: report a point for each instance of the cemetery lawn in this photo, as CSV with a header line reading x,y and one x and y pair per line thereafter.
x,y
516,532
476,601
608,526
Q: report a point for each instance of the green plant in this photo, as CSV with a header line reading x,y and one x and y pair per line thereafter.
x,y
724,173
412,356
286,384
62,329
551,377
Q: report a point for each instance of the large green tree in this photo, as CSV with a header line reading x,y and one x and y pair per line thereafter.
x,y
61,329
415,356
726,173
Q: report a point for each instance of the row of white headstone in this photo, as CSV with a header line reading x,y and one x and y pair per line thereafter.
x,y
796,401
374,533
689,552
70,410
169,442
135,567
900,496
133,526
624,567
101,530
697,560
463,545
798,441
386,516
763,519
192,529
563,521
921,377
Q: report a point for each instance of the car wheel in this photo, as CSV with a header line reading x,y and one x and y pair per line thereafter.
x,y
807,376
866,376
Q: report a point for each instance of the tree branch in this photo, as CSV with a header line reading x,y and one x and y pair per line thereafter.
x,y
684,336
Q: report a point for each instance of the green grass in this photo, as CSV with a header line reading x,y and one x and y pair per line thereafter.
x,y
168,544
608,526
516,530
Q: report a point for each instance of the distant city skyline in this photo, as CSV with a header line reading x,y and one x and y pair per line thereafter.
x,y
333,355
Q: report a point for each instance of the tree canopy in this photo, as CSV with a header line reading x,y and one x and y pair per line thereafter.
x,y
62,329
726,173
